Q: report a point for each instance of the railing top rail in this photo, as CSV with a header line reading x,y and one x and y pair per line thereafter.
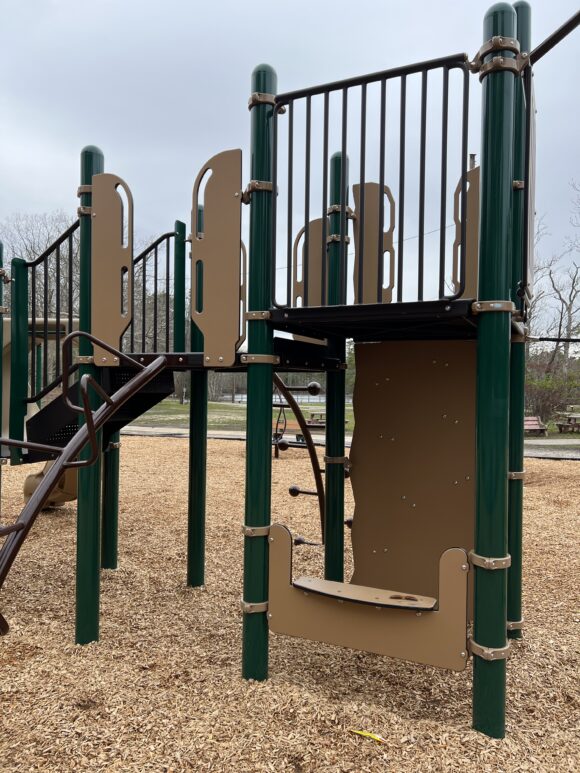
x,y
150,247
49,250
455,60
556,37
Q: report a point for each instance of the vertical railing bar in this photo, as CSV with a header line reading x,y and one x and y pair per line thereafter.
x,y
401,224
155,294
45,326
274,265
381,260
167,338
442,232
361,223
324,247
464,150
290,201
306,202
527,161
32,331
70,284
343,199
423,141
57,315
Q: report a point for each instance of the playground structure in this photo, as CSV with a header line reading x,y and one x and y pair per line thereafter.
x,y
437,528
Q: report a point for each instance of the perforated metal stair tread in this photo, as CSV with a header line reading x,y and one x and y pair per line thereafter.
x,y
377,597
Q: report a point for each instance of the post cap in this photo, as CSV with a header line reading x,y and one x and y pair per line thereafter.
x,y
264,79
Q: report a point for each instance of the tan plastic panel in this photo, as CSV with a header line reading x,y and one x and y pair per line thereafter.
x,y
471,235
436,638
315,257
413,460
65,490
363,595
218,250
370,246
112,255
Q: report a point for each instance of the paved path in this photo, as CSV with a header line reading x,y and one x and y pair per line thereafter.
x,y
542,448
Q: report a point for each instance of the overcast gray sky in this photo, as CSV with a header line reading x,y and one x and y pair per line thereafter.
x,y
162,85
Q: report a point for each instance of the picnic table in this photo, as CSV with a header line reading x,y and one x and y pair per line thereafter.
x,y
569,422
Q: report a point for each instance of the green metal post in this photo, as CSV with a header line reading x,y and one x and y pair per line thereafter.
x,y
197,449
518,347
335,392
493,359
110,521
2,461
259,412
179,288
18,354
89,483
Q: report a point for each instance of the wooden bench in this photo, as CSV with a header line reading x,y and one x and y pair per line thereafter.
x,y
533,426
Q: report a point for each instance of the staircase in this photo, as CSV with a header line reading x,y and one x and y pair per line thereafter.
x,y
56,424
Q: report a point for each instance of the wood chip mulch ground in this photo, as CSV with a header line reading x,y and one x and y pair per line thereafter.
x,y
162,690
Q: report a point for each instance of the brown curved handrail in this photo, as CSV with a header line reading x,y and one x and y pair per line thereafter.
x,y
305,429
68,455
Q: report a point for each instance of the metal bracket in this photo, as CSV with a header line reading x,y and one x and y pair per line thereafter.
x,y
82,189
261,98
84,211
3,460
255,531
499,63
488,653
518,185
260,359
344,460
4,276
256,315
336,209
113,445
515,625
521,475
336,238
3,309
499,43
251,607
256,185
480,306
84,359
485,562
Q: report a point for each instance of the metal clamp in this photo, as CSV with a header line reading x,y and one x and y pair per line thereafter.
x,y
515,625
336,209
256,315
344,460
521,475
251,607
260,359
496,43
4,276
84,359
84,211
498,63
518,185
82,189
3,309
488,653
261,98
255,531
113,446
336,238
485,562
256,185
478,307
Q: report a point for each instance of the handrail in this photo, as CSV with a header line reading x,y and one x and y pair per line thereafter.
x,y
152,246
49,250
556,37
70,452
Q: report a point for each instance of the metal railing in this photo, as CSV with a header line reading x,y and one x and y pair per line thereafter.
x,y
343,110
151,328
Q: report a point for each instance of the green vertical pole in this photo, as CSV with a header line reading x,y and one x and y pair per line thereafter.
x,y
2,460
110,520
18,354
179,288
493,358
335,393
89,483
518,347
197,447
259,411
